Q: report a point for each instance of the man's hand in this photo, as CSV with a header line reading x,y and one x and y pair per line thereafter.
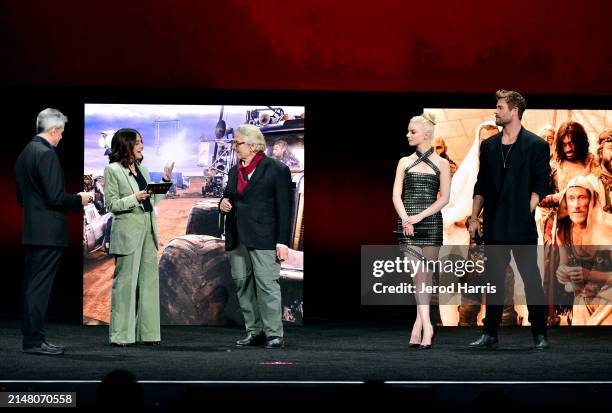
x,y
475,228
225,206
86,198
577,276
566,274
282,253
551,201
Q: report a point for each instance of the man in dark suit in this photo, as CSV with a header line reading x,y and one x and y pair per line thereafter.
x,y
513,177
257,204
40,192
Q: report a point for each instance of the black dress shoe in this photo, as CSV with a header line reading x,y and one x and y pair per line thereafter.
x,y
540,342
252,340
484,342
55,345
44,349
275,342
414,345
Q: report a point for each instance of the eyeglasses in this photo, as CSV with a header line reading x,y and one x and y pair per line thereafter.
x,y
236,144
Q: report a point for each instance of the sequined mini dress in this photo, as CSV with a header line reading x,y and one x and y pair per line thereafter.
x,y
420,191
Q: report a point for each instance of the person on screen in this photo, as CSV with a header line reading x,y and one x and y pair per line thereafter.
x,y
282,152
456,220
460,204
513,177
585,268
99,203
547,132
134,314
98,188
572,159
40,192
257,204
420,190
440,147
603,174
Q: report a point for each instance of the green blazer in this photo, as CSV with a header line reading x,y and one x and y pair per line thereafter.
x,y
128,214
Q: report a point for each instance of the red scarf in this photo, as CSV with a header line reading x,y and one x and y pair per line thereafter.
x,y
245,171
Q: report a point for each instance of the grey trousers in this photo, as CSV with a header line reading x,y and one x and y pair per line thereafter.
x,y
256,274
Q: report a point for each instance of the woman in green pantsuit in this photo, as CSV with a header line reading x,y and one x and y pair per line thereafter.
x,y
133,242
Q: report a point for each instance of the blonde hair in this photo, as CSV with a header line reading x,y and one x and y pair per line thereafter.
x,y
428,121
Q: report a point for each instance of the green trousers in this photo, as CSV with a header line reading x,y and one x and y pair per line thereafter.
x,y
135,296
256,274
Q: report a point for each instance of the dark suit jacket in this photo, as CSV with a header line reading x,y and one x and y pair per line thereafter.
x,y
40,192
507,216
261,217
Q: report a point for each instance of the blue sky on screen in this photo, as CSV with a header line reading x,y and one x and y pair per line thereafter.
x,y
179,144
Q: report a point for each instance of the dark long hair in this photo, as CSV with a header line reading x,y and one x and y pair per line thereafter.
x,y
579,139
122,146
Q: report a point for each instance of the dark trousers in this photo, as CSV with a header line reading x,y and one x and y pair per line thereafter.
x,y
525,255
41,264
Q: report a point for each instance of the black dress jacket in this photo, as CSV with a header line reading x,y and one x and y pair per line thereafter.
x,y
261,217
507,216
40,192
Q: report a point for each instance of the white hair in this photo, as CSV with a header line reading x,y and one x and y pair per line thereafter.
x,y
547,128
49,119
252,136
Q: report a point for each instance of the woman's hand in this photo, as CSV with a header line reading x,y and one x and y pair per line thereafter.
x,y
408,228
414,219
168,171
142,195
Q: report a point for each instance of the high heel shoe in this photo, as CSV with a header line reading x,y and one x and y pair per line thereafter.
x,y
413,345
428,346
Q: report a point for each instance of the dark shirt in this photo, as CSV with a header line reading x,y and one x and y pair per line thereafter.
x,y
506,155
142,184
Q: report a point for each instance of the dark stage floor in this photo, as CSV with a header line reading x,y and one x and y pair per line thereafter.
x,y
363,355
323,352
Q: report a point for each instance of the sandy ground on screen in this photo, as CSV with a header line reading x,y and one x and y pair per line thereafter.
x,y
172,214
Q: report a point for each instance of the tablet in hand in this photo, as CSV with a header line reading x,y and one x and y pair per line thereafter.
x,y
160,188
